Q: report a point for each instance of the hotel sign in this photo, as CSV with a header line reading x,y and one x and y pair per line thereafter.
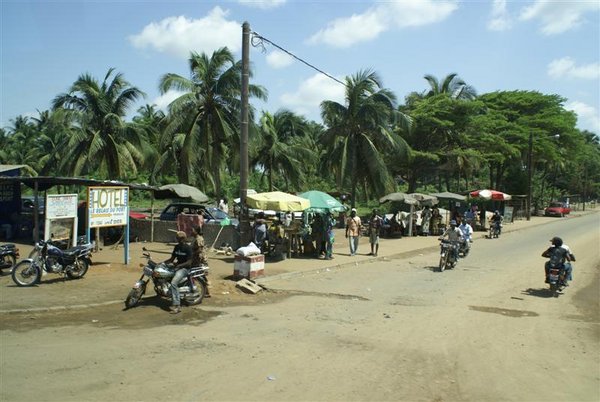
x,y
108,206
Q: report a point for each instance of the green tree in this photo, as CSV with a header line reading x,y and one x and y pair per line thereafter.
x,y
360,130
206,117
104,143
282,148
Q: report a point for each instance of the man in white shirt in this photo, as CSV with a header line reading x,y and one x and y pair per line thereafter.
x,y
467,235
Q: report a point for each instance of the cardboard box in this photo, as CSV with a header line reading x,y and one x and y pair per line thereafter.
x,y
249,267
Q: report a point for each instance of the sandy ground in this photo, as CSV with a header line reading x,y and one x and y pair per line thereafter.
x,y
362,329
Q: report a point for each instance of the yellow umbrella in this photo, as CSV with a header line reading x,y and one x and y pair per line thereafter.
x,y
277,201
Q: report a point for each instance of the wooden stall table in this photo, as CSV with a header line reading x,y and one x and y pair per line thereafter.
x,y
293,239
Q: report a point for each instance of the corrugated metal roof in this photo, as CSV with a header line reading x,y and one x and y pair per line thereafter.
x,y
46,182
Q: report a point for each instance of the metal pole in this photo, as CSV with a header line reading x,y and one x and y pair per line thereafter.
x,y
36,209
529,173
584,185
244,220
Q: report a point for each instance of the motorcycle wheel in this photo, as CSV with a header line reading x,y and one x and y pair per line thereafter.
x,y
25,274
134,297
443,261
8,261
193,300
81,267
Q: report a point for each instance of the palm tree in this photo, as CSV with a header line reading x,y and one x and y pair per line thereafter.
x,y
283,147
155,156
105,140
360,130
54,129
451,85
207,114
19,150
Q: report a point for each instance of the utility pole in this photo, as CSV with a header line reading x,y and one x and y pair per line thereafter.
x,y
244,219
529,174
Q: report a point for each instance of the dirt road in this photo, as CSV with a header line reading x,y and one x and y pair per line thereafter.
x,y
387,330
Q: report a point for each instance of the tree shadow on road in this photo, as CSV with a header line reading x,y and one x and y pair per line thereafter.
x,y
541,292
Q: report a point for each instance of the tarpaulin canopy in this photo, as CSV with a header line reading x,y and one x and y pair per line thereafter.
x,y
399,197
424,199
277,201
490,195
180,191
322,202
449,196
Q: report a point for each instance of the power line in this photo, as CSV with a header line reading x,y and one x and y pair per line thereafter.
x,y
261,39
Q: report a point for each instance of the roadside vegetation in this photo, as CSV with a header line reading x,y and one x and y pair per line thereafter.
x,y
444,138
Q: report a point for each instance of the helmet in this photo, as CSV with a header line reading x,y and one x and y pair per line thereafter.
x,y
180,235
453,222
556,241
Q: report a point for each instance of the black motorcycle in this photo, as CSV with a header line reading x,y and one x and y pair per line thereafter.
x,y
448,254
557,279
192,288
73,262
9,253
495,230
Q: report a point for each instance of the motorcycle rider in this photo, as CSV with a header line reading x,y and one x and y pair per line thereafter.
x,y
467,234
557,256
182,252
454,235
497,220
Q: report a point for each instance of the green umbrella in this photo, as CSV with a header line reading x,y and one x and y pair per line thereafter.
x,y
322,202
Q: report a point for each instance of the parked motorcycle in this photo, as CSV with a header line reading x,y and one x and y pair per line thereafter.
x,y
557,279
448,252
192,288
73,262
9,253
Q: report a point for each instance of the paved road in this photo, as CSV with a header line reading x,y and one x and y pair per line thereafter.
x,y
392,329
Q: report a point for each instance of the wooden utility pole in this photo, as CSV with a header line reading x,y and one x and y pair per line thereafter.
x,y
244,219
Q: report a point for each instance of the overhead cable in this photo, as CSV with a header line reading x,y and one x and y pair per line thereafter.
x,y
257,41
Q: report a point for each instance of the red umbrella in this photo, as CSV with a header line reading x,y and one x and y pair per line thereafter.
x,y
490,195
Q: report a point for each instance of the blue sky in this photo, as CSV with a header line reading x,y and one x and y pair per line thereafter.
x,y
547,46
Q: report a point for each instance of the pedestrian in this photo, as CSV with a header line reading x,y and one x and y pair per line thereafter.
x,y
374,227
223,205
353,225
329,236
198,254
182,252
425,220
436,220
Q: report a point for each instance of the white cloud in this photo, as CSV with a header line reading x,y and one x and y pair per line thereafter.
x,y
262,4
558,17
344,32
163,101
311,92
179,35
279,59
500,19
587,116
566,67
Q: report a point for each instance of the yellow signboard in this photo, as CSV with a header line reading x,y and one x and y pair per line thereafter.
x,y
108,206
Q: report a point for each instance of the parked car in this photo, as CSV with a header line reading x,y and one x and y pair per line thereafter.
x,y
557,209
212,215
27,204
